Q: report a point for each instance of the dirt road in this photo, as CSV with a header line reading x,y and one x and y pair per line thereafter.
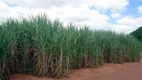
x,y
126,71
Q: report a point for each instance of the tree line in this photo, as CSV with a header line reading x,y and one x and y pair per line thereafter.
x,y
138,33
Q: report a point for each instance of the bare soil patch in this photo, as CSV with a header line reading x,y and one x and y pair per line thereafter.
x,y
126,71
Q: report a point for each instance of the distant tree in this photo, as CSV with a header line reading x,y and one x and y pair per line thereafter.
x,y
137,34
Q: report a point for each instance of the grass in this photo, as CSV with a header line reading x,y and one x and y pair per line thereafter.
x,y
43,47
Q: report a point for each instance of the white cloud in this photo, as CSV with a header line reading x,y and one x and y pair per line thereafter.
x,y
120,28
113,5
115,15
46,3
76,11
4,10
127,24
80,15
140,9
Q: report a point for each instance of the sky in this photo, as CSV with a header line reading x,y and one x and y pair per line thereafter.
x,y
121,16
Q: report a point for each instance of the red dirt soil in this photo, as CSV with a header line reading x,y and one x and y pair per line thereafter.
x,y
126,71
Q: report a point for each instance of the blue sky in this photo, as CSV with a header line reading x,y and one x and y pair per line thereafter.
x,y
118,15
132,8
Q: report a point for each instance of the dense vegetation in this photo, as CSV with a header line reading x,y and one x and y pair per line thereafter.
x,y
43,47
138,34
